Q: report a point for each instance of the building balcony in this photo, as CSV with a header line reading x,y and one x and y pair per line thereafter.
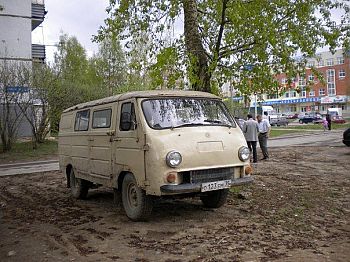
x,y
38,13
38,53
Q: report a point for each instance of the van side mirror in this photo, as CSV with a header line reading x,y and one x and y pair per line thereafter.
x,y
125,123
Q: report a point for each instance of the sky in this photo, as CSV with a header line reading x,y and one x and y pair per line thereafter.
x,y
80,18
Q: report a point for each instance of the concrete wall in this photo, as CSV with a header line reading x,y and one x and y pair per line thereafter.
x,y
15,33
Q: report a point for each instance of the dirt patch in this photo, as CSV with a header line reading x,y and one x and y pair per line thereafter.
x,y
297,209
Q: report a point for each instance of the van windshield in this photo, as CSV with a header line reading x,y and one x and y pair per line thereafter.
x,y
181,112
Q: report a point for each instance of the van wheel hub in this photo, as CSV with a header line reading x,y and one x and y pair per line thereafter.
x,y
132,195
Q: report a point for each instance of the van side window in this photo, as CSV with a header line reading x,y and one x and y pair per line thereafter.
x,y
127,117
82,120
101,118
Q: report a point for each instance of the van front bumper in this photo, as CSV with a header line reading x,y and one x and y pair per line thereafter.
x,y
193,188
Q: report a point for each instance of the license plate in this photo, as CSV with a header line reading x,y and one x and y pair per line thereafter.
x,y
215,185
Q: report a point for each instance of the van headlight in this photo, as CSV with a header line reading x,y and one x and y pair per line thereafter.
x,y
173,159
243,153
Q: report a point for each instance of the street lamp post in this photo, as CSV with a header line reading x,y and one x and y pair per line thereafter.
x,y
255,105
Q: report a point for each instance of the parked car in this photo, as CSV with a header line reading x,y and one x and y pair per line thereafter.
x,y
346,137
151,144
292,116
310,118
281,121
338,120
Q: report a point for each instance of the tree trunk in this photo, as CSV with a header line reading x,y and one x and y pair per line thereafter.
x,y
199,69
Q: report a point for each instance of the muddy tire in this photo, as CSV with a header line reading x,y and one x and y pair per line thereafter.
x,y
137,205
215,199
79,187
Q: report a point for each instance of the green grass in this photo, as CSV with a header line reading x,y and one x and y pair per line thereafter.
x,y
22,151
281,132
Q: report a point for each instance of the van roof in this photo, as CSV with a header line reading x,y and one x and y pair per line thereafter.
x,y
142,94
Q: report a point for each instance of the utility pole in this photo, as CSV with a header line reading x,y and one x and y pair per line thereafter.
x,y
255,105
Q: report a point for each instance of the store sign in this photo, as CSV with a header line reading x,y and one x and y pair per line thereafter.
x,y
237,98
333,99
17,89
291,101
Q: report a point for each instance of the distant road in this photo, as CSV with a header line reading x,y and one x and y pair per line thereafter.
x,y
317,138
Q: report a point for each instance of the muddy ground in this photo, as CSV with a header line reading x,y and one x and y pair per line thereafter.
x,y
298,209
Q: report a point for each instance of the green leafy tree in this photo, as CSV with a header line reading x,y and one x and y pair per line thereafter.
x,y
77,79
249,40
110,65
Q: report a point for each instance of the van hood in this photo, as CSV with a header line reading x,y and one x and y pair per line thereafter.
x,y
201,147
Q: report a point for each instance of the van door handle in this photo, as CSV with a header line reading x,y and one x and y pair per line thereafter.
x,y
117,139
110,133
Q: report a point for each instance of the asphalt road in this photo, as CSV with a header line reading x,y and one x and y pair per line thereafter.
x,y
304,139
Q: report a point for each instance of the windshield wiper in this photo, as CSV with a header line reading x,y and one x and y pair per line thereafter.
x,y
213,121
190,124
217,122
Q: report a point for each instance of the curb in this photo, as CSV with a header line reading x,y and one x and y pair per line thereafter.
x,y
33,163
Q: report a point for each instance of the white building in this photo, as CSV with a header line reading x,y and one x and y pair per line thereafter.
x,y
18,19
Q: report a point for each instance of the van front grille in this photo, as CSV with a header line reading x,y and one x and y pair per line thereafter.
x,y
211,175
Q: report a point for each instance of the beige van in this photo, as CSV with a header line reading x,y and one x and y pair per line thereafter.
x,y
153,144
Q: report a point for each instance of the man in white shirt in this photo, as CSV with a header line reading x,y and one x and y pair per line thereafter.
x,y
264,133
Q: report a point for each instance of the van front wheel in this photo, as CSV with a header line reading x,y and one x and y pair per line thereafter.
x,y
215,199
79,187
137,205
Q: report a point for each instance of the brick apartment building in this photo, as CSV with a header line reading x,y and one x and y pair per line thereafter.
x,y
334,92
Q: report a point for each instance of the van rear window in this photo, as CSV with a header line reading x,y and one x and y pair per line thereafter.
x,y
82,120
101,118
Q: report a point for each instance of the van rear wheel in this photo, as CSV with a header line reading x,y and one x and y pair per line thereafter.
x,y
137,205
79,187
215,199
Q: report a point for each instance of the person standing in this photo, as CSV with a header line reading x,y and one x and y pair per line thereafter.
x,y
264,133
325,125
250,130
329,120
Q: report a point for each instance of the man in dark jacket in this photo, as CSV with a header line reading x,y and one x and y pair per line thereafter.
x,y
329,120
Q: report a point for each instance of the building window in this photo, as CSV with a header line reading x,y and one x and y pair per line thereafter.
x,y
320,63
301,82
311,77
343,107
341,73
82,120
287,94
284,81
322,92
340,60
303,92
310,64
303,109
312,92
294,94
323,108
331,82
330,62
293,108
